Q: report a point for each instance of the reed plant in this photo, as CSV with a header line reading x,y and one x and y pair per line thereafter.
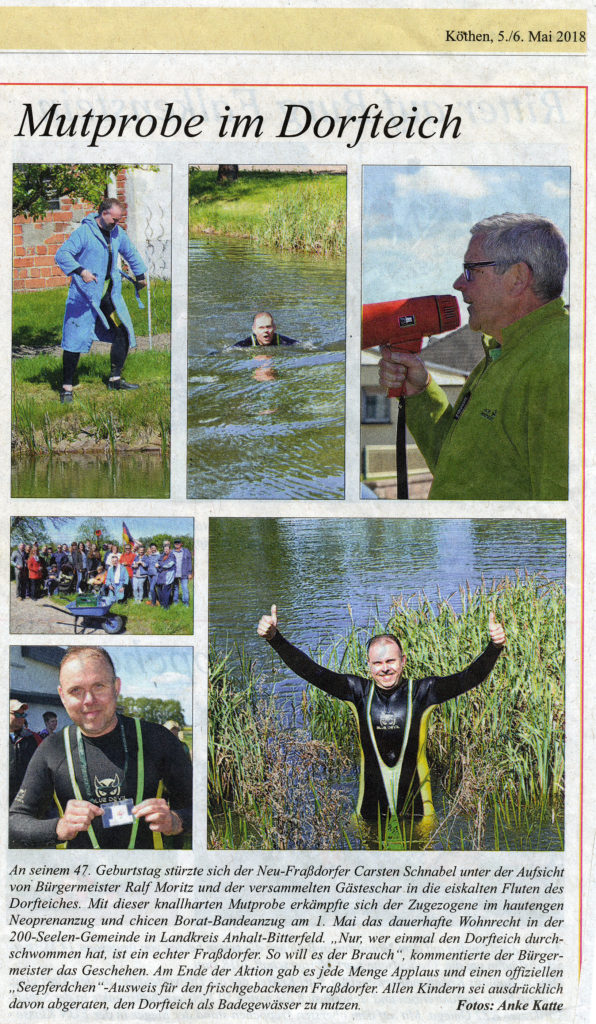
x,y
269,786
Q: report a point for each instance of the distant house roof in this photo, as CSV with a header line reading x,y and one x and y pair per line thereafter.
x,y
461,350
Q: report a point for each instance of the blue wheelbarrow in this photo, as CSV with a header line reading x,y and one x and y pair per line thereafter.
x,y
91,610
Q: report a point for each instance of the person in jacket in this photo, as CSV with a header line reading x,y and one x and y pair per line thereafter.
x,y
95,307
140,571
506,436
116,580
183,572
18,561
81,567
166,574
21,749
152,558
35,570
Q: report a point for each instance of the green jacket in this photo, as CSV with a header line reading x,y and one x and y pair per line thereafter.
x,y
506,436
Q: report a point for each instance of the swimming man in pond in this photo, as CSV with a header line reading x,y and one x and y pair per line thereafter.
x,y
264,332
392,714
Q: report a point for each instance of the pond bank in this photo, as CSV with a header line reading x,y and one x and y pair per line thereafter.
x,y
283,210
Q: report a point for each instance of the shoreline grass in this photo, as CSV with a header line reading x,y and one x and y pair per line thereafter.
x,y
282,210
97,419
498,751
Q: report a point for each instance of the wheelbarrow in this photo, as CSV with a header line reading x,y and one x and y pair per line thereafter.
x,y
93,610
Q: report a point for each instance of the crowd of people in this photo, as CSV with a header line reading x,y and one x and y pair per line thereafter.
x,y
138,571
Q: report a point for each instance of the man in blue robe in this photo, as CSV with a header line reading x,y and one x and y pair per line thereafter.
x,y
95,307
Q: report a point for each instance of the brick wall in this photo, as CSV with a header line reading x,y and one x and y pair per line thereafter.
x,y
35,242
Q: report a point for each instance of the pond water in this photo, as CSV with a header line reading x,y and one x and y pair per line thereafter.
x,y
265,423
317,571
136,475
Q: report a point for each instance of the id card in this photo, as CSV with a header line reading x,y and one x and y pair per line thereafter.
x,y
119,813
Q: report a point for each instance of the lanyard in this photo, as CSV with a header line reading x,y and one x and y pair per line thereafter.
x,y
140,775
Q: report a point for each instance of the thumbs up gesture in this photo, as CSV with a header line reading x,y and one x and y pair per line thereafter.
x,y
497,633
267,627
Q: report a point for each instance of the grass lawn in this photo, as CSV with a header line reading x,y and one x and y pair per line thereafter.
x,y
144,619
37,316
286,210
98,418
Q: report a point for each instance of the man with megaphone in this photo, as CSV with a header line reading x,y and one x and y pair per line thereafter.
x,y
506,436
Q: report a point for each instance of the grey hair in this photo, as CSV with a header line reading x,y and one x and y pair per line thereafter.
x,y
526,238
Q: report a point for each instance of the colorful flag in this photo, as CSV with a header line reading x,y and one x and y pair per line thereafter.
x,y
127,536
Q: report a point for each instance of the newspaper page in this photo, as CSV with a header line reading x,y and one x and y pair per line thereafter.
x,y
284,745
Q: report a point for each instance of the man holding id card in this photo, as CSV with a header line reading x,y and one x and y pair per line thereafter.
x,y
106,773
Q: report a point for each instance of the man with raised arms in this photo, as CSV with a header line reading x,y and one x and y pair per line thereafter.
x,y
392,714
105,773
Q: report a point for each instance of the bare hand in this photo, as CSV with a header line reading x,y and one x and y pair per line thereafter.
x,y
267,627
402,371
497,633
88,276
78,815
158,816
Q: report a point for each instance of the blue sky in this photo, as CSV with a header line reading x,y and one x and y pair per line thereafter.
x,y
164,672
416,220
140,527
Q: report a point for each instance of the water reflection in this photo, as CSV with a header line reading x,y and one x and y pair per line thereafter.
x,y
264,425
324,572
136,475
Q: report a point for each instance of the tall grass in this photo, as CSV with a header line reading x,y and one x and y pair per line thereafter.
x,y
109,419
267,785
282,210
498,751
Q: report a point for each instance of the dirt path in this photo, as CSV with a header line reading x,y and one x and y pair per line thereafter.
x,y
41,617
158,343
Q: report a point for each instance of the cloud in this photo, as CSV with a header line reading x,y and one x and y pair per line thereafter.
x,y
556,191
456,181
171,679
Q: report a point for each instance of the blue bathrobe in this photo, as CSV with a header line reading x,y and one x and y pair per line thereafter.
x,y
84,322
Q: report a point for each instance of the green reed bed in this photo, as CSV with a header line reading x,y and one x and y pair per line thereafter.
x,y
496,753
270,786
284,210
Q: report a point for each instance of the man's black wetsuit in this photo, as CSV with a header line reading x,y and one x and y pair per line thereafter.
x,y
392,725
251,342
113,773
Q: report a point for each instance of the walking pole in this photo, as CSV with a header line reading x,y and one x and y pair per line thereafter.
x,y
149,322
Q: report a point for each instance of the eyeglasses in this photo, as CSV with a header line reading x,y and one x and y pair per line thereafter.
x,y
470,267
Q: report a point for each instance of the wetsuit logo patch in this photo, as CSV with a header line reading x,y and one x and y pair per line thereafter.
x,y
107,790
